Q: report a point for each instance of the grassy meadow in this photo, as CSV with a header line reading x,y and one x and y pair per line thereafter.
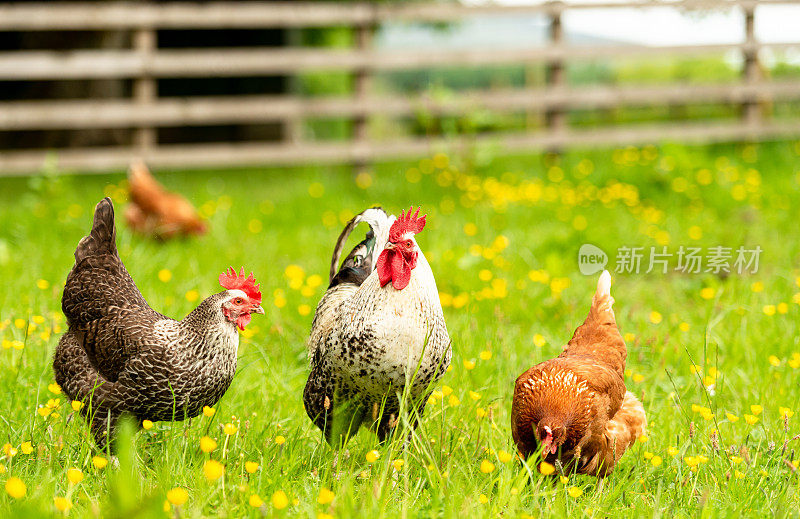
x,y
714,357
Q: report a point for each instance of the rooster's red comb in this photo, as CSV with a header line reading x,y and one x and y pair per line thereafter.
x,y
407,223
230,280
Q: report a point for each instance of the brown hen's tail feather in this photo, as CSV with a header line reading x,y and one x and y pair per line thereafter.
x,y
622,431
598,336
103,237
602,302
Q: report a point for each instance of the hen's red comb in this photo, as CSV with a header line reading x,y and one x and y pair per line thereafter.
x,y
232,281
407,223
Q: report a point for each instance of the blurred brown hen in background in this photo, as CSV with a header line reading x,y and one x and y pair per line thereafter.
x,y
157,212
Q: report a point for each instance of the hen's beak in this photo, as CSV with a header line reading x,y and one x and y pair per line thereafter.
x,y
257,310
546,445
389,246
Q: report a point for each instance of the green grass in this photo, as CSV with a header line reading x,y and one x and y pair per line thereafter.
x,y
520,302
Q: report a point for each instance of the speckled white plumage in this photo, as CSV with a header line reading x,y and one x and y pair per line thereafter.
x,y
368,341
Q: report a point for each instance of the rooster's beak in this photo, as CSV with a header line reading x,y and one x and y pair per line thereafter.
x,y
257,310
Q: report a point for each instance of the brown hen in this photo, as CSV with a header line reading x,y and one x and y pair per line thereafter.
x,y
157,212
575,407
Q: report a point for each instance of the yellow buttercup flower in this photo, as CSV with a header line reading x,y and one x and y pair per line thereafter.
x,y
15,488
575,492
756,409
398,464
54,388
707,293
177,496
487,467
731,417
99,462
656,461
230,429
279,500
164,275
250,466
255,501
469,364
325,496
26,448
372,456
750,419
209,411
207,444
147,425
485,355
280,440
213,470
672,451
74,475
62,503
76,405
483,499
546,468
504,456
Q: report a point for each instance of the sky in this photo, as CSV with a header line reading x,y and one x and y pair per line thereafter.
x,y
669,26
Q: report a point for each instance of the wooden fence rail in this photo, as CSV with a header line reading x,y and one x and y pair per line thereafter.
x,y
145,63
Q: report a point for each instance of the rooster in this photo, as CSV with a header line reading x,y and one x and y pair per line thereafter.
x,y
378,331
157,212
575,407
120,356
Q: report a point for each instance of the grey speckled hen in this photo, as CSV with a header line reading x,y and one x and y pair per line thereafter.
x,y
378,327
121,356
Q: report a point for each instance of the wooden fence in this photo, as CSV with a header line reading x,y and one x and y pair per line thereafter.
x,y
145,63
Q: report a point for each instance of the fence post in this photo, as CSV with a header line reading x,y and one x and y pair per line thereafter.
x,y
555,76
751,111
362,85
144,88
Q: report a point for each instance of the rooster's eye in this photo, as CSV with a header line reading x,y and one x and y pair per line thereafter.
x,y
409,243
238,301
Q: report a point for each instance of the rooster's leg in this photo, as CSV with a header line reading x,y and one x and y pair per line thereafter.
x,y
390,418
330,409
103,426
